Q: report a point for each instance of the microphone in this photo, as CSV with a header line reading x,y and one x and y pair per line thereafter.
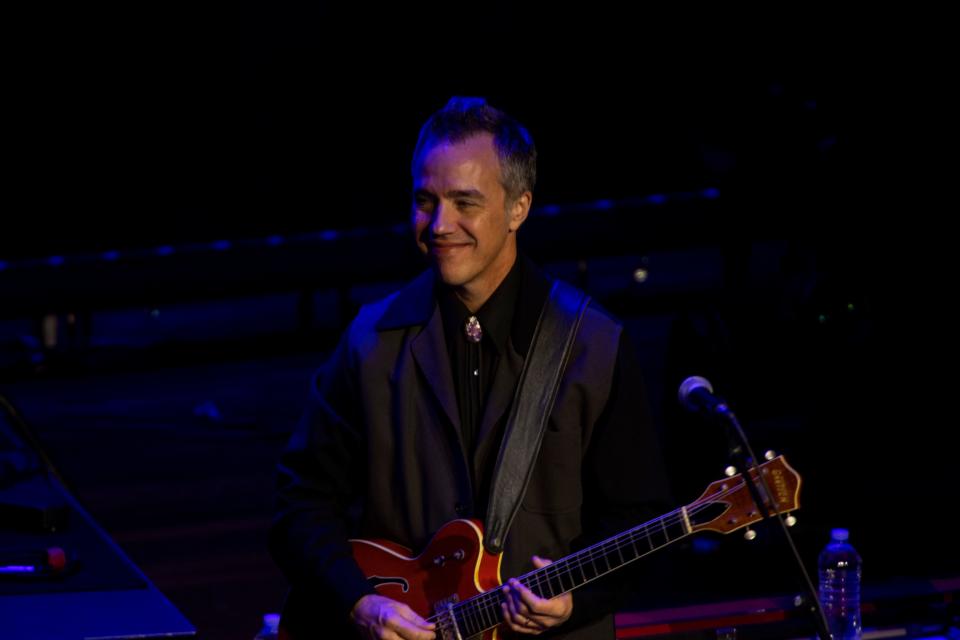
x,y
696,394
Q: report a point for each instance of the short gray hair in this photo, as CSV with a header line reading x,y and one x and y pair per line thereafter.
x,y
463,117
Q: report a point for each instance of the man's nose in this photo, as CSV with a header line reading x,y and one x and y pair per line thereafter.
x,y
444,219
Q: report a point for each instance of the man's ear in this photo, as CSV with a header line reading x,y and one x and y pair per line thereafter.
x,y
519,210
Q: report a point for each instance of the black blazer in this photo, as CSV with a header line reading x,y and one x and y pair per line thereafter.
x,y
378,453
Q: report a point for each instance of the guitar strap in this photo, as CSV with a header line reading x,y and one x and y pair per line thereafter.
x,y
533,401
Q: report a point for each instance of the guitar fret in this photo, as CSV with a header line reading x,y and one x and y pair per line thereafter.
x,y
460,623
535,584
546,585
622,541
556,580
483,608
478,609
572,574
568,567
471,624
494,609
561,572
658,535
549,585
556,587
475,621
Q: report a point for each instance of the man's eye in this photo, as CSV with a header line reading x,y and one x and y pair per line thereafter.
x,y
463,204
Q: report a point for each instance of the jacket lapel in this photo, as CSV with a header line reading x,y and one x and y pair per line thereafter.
x,y
430,352
415,305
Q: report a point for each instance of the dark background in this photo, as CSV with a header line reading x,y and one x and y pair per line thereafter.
x,y
250,168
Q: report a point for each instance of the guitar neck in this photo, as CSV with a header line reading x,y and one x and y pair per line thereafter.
x,y
725,506
483,611
606,557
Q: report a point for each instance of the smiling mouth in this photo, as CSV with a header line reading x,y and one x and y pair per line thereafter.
x,y
447,247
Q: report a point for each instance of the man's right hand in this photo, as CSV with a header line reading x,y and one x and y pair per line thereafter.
x,y
381,618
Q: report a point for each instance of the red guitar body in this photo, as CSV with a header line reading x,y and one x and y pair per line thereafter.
x,y
452,568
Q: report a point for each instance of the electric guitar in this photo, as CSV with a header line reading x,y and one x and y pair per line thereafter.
x,y
456,583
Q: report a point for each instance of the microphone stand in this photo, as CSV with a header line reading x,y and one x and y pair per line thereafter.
x,y
743,457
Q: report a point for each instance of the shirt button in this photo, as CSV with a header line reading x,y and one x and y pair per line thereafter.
x,y
476,372
460,508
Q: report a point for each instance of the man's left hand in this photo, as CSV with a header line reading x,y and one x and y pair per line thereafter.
x,y
525,612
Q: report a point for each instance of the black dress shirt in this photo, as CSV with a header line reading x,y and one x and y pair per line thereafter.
x,y
474,364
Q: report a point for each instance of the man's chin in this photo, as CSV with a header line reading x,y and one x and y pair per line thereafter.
x,y
449,276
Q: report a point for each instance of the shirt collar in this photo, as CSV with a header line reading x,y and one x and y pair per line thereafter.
x,y
415,303
495,316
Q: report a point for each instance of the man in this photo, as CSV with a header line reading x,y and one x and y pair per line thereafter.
x,y
408,416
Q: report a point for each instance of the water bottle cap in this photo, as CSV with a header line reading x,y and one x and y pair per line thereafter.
x,y
839,535
271,621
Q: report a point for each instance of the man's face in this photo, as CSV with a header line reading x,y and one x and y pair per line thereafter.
x,y
459,213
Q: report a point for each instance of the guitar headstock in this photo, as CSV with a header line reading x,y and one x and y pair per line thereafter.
x,y
726,505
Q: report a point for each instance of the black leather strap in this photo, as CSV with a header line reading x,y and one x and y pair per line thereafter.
x,y
536,392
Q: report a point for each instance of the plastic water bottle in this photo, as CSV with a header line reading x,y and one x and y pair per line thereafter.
x,y
840,572
271,627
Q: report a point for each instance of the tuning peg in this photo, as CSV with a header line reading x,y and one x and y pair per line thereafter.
x,y
770,454
749,534
790,521
730,471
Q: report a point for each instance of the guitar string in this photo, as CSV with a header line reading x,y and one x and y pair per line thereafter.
x,y
484,604
606,548
488,601
481,607
620,541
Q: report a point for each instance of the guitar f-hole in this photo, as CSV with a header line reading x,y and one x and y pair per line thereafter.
x,y
378,581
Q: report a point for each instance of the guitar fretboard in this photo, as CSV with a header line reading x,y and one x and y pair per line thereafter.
x,y
482,612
